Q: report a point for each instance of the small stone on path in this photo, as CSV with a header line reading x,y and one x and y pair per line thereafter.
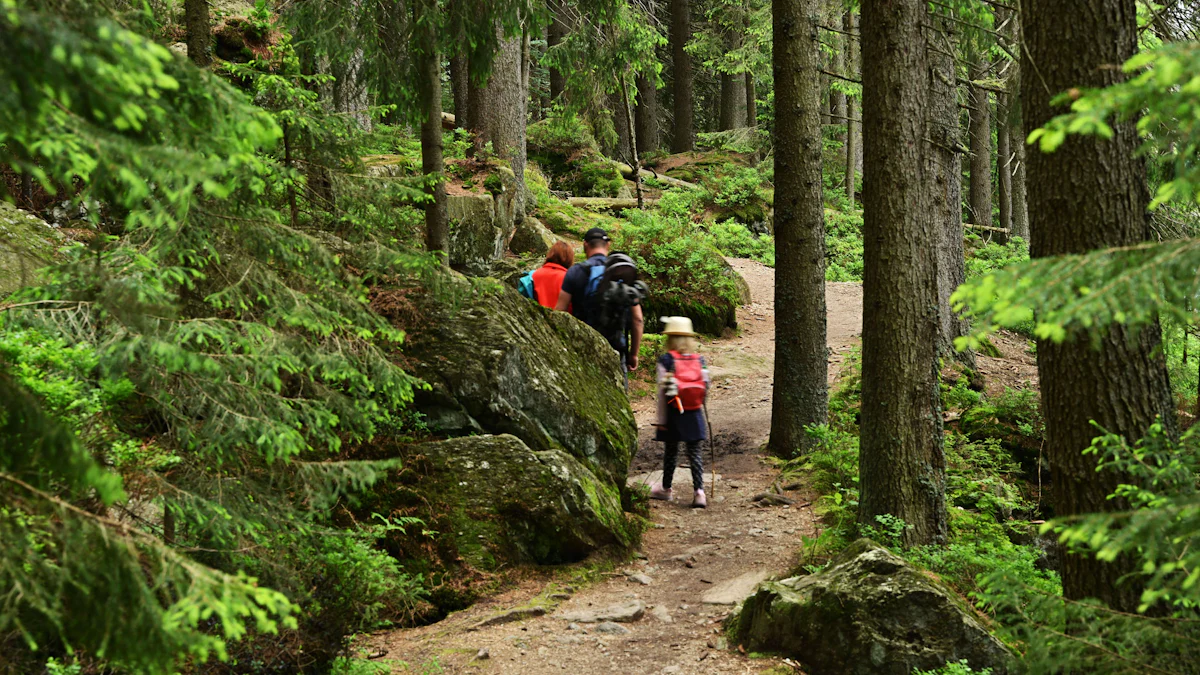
x,y
483,655
641,579
610,628
511,615
659,612
624,612
733,591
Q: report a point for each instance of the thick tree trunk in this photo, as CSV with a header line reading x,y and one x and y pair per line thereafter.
x,y
682,83
1003,164
751,101
852,128
902,468
647,116
733,101
623,150
429,94
459,73
981,148
1090,193
199,32
554,36
944,172
800,394
503,109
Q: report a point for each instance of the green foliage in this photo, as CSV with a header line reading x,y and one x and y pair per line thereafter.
x,y
736,240
957,668
564,147
843,245
984,257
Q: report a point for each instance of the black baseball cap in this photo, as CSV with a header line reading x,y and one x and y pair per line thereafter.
x,y
596,233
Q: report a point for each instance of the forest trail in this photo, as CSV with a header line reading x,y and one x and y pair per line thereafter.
x,y
688,557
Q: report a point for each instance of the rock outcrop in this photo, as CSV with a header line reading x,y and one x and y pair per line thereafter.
x,y
506,503
868,613
27,244
499,364
533,237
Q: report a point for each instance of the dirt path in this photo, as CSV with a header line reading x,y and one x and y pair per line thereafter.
x,y
693,563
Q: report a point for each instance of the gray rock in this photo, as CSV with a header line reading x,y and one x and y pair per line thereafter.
x,y
483,655
641,579
735,590
625,612
662,614
532,236
476,238
868,613
27,244
507,502
610,628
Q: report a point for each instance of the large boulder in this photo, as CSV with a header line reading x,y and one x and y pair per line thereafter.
x,y
506,503
497,363
481,225
868,613
533,237
27,244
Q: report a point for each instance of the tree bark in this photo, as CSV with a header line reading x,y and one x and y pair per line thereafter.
x,y
199,32
981,147
1089,193
852,127
1020,204
554,37
503,108
838,99
635,162
429,95
800,392
944,171
459,73
1003,164
751,101
901,465
647,115
682,84
733,101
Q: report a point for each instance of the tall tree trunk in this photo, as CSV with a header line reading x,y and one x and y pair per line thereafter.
x,y
838,100
429,95
554,37
944,171
1089,193
459,74
800,394
1020,204
1003,164
733,101
647,115
751,101
682,82
199,32
852,127
634,161
981,147
902,468
503,109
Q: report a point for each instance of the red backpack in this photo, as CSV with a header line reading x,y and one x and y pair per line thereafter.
x,y
689,377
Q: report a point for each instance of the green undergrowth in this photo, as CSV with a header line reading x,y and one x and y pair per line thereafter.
x,y
987,495
566,149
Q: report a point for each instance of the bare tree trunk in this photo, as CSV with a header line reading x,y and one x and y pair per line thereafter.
x,y
751,101
429,94
503,109
800,394
733,100
554,37
682,83
838,101
1090,193
459,73
981,147
647,115
633,142
199,32
902,467
852,127
1003,165
944,168
1020,204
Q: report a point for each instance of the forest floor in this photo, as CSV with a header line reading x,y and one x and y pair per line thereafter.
x,y
694,565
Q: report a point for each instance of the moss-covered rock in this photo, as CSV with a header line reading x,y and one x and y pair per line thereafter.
x,y
868,613
532,237
27,244
505,503
567,152
499,364
475,238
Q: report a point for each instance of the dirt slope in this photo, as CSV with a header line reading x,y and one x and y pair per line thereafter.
x,y
687,554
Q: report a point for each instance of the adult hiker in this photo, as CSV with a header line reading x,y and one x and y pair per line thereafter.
x,y
603,291
545,283
683,382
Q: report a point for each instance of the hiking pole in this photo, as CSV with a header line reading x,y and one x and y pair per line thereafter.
x,y
712,450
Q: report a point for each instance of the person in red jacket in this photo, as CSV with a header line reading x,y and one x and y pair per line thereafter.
x,y
547,280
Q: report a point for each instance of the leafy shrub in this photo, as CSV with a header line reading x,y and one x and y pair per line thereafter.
x,y
683,268
983,257
736,240
564,147
843,246
681,203
958,668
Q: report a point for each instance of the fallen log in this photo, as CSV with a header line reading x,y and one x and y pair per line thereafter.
x,y
608,203
627,172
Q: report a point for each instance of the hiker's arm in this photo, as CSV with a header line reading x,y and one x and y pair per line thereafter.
x,y
635,344
564,301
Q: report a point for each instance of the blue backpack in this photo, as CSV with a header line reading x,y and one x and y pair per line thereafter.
x,y
525,285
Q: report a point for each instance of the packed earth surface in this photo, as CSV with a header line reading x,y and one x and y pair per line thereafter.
x,y
663,611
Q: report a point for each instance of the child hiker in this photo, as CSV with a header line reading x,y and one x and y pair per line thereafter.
x,y
682,388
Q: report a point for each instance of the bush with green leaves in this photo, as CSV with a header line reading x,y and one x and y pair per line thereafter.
x,y
736,240
843,245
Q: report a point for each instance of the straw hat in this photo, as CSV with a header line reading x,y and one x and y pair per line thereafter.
x,y
677,325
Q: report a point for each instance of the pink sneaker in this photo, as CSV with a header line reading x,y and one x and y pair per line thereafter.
x,y
657,492
699,501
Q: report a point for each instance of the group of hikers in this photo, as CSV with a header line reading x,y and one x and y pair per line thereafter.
x,y
604,292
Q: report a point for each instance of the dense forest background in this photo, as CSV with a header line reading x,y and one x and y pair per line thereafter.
x,y
236,239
